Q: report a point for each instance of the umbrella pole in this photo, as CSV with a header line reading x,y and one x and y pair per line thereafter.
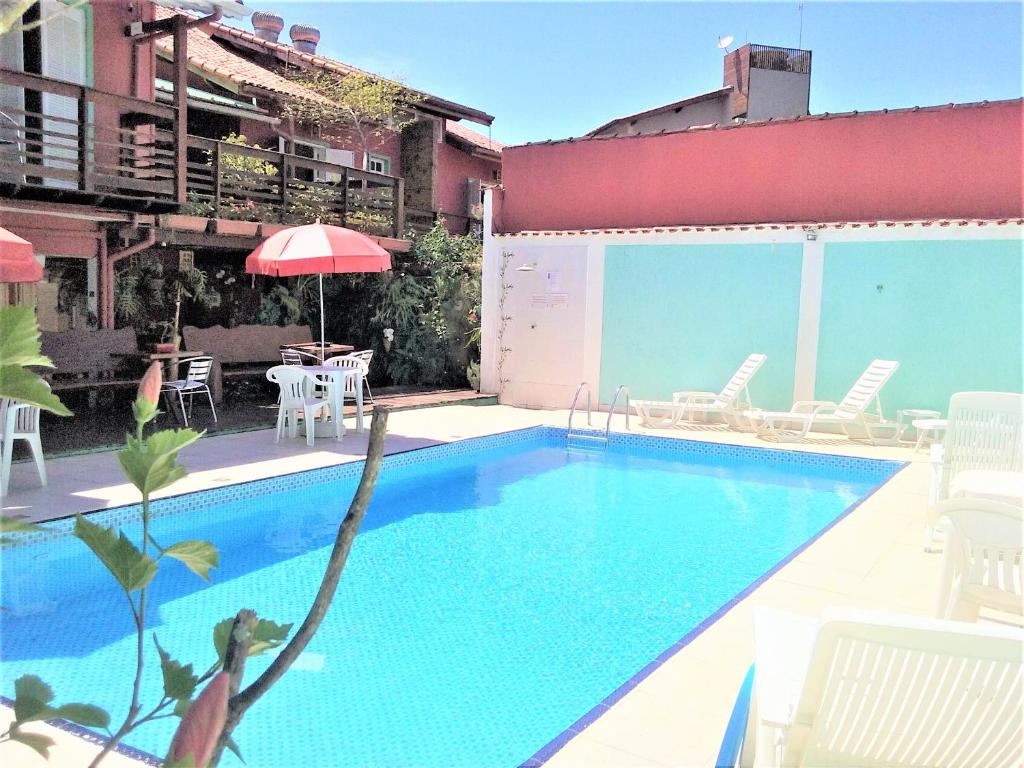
x,y
323,344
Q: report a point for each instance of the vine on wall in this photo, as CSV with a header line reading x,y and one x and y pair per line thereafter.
x,y
503,319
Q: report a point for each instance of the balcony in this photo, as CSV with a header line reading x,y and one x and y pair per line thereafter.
x,y
68,143
61,142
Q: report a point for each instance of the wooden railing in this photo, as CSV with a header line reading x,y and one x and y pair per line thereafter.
x,y
226,180
66,139
61,141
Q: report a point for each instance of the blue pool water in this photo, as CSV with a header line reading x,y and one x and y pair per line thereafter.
x,y
498,590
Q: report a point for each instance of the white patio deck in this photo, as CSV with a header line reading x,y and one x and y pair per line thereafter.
x,y
873,559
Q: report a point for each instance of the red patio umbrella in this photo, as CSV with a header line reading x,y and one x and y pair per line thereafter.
x,y
317,249
17,260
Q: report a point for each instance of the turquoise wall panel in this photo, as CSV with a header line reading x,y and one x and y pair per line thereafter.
x,y
685,317
949,312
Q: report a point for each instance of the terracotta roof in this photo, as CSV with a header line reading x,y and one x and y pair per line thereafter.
x,y
291,55
774,121
475,138
229,70
674,106
807,225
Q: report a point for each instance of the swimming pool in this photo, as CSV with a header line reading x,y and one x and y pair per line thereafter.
x,y
500,590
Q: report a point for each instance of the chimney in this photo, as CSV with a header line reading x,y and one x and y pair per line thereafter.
x,y
304,37
267,25
737,74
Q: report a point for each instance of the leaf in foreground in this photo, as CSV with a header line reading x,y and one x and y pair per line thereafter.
x,y
179,681
132,569
198,556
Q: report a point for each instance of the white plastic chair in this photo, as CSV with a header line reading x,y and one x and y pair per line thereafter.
x,y
19,421
350,361
984,433
732,400
294,386
981,559
195,382
366,356
298,357
851,413
868,689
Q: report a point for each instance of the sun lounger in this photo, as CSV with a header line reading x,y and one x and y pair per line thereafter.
x,y
851,414
729,403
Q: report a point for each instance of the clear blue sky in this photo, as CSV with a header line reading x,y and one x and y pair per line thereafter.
x,y
552,70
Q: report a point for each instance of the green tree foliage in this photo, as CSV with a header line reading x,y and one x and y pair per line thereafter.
x,y
368,107
431,302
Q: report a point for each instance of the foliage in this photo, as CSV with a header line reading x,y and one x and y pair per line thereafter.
x,y
279,306
367,106
20,349
430,304
150,296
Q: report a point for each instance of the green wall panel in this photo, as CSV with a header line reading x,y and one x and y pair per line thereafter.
x,y
685,317
949,312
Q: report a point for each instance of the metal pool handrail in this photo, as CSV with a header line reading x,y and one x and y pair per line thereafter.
x,y
575,398
611,409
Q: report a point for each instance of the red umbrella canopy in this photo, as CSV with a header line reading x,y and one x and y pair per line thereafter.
x,y
17,260
317,249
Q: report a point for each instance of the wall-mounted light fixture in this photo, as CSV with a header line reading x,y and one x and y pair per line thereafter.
x,y
529,266
812,233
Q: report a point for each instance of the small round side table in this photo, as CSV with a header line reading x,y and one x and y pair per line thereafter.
x,y
928,429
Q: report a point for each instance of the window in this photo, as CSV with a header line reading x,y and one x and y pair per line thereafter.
x,y
308,150
378,164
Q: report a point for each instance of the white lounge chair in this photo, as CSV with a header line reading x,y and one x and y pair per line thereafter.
x,y
729,403
867,689
851,414
295,384
984,441
19,421
981,559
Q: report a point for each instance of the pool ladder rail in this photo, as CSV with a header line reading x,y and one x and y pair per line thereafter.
x,y
589,435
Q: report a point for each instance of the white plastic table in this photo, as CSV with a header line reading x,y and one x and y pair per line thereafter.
x,y
335,377
907,417
928,429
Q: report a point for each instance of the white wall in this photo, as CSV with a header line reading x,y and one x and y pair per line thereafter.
x,y
554,348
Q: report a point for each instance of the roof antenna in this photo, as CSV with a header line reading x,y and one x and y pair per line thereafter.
x,y
725,42
800,39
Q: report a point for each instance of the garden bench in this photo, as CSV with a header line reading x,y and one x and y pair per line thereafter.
x,y
90,359
245,350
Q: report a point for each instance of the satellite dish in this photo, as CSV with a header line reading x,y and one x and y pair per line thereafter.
x,y
725,42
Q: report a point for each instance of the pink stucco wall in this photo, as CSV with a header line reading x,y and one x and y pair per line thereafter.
x,y
454,169
930,163
113,68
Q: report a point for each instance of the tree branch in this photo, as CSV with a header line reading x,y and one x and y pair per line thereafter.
x,y
241,702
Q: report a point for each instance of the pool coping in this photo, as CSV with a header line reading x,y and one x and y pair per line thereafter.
x,y
552,747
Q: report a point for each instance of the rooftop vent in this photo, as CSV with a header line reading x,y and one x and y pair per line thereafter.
x,y
304,37
267,25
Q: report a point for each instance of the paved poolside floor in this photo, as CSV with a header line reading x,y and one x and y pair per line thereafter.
x,y
871,559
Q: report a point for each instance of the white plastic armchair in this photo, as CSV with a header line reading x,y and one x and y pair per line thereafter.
x,y
984,434
869,689
852,413
295,387
19,421
981,559
351,361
